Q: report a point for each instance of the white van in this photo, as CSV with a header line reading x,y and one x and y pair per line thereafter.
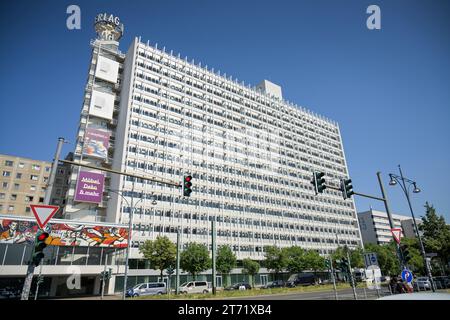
x,y
147,289
195,287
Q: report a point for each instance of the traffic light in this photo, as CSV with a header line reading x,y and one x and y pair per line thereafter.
x,y
347,188
39,246
328,264
40,279
170,270
406,254
105,275
187,186
318,182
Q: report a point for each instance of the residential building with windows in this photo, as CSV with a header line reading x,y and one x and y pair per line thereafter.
x,y
22,182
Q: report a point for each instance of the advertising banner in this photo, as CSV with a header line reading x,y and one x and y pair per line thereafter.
x,y
89,187
96,143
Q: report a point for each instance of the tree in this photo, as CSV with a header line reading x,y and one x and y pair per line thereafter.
x,y
250,267
226,260
161,253
314,261
356,256
416,260
275,259
195,259
295,259
436,234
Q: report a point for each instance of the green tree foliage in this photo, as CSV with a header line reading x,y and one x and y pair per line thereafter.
x,y
314,261
356,256
295,259
416,261
225,260
195,259
436,234
250,267
275,259
161,253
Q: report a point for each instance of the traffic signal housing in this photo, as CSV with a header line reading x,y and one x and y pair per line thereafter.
x,y
318,182
406,254
347,188
39,246
187,186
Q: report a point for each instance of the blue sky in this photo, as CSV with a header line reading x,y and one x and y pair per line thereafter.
x,y
388,88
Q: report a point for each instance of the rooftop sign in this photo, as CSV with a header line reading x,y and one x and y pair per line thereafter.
x,y
108,27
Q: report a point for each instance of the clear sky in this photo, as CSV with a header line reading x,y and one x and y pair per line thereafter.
x,y
388,89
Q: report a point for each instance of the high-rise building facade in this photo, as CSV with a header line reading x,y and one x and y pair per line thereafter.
x,y
251,155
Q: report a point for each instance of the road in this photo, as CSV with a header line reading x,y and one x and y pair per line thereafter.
x,y
343,294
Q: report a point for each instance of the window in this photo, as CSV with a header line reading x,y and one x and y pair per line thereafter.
x,y
1,207
18,175
41,199
27,209
33,188
13,197
21,165
47,169
2,196
34,177
11,208
36,167
28,198
6,173
9,163
5,185
16,186
45,179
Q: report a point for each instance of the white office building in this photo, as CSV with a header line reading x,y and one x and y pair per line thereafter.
x,y
250,152
375,227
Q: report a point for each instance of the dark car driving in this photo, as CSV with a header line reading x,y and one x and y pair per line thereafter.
x,y
274,284
302,279
236,286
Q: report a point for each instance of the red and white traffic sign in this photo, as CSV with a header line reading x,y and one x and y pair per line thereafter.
x,y
43,213
397,233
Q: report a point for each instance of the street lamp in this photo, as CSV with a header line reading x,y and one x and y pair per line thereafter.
x,y
402,181
130,226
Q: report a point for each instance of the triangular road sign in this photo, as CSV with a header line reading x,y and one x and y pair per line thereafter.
x,y
397,233
43,213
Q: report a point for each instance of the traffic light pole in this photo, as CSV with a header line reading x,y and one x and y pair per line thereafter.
x,y
333,278
48,192
213,238
351,275
177,278
38,283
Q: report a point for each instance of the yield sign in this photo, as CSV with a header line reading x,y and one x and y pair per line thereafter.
x,y
396,232
43,213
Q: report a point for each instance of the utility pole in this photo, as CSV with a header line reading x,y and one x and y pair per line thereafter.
x,y
38,283
391,222
177,278
333,278
130,229
104,277
213,238
48,192
351,274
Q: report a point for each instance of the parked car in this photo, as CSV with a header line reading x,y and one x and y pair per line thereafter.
x,y
147,289
442,282
238,285
302,279
195,287
274,284
422,283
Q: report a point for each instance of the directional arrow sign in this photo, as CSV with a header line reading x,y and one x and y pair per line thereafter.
x,y
43,213
396,232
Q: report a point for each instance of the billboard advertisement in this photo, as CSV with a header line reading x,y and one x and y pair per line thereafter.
x,y
96,143
89,187
63,234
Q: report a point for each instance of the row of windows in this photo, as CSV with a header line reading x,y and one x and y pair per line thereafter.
x,y
225,85
22,165
19,175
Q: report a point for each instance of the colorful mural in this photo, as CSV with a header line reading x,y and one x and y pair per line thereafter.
x,y
18,231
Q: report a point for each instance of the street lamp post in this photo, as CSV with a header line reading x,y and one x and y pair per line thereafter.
x,y
130,226
401,180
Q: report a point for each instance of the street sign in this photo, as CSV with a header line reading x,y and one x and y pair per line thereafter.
x,y
397,233
407,276
373,277
370,259
43,213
